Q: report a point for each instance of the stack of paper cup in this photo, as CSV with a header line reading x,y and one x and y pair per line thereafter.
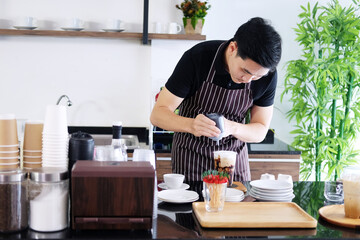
x,y
55,141
9,143
32,149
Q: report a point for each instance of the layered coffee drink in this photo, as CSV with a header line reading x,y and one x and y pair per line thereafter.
x,y
225,162
351,182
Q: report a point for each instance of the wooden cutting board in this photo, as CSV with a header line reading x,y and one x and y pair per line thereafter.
x,y
240,186
335,214
254,215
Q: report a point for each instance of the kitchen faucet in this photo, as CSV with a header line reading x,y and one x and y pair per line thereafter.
x,y
69,103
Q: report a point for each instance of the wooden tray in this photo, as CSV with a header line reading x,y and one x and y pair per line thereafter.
x,y
335,214
254,215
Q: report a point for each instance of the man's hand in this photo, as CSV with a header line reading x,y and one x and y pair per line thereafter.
x,y
204,126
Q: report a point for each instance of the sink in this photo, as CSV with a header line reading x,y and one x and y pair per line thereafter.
x,y
131,141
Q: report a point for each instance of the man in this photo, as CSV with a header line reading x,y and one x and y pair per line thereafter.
x,y
224,77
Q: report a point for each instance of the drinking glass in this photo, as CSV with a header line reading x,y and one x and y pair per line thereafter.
x,y
214,196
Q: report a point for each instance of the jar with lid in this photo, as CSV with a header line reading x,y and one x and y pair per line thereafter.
x,y
49,199
13,201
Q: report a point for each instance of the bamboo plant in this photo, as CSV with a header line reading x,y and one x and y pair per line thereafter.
x,y
324,89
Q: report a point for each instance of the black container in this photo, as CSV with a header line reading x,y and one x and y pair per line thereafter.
x,y
81,147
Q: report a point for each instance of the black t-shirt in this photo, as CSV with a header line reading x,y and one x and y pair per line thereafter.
x,y
193,68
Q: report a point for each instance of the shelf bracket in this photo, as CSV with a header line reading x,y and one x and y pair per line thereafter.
x,y
145,38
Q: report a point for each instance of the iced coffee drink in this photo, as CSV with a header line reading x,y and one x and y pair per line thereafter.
x,y
351,182
225,162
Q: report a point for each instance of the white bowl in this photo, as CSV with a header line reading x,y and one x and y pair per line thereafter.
x,y
173,180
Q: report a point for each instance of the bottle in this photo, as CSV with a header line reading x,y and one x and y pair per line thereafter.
x,y
120,153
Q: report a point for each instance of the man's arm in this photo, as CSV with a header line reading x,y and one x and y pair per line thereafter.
x,y
164,117
256,130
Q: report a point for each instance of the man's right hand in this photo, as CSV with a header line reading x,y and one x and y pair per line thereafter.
x,y
204,126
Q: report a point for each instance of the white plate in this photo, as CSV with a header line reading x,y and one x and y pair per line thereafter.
x,y
231,192
178,196
184,186
271,194
272,199
113,30
72,28
25,27
271,184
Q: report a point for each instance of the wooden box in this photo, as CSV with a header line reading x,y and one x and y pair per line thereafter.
x,y
112,195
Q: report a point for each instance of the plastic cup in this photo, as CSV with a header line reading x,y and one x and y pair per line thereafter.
x,y
225,162
147,155
333,191
351,182
8,130
55,120
33,135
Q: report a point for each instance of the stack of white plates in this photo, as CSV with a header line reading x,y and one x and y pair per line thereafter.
x,y
178,196
234,195
55,139
272,190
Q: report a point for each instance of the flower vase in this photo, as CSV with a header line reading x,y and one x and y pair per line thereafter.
x,y
193,25
214,196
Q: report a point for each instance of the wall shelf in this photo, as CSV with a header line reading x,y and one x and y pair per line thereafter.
x,y
97,34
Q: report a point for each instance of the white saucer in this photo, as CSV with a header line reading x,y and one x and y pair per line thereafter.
x,y
113,29
184,186
25,27
178,196
72,28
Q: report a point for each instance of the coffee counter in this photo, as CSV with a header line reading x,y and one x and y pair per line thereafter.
x,y
178,221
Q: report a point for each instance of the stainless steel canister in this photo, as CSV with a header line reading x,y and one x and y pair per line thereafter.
x,y
49,199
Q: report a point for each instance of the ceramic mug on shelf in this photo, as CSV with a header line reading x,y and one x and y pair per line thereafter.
x,y
174,28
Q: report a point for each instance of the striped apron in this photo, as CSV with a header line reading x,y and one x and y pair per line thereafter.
x,y
192,155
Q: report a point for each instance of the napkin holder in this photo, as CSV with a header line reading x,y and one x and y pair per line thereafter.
x,y
112,195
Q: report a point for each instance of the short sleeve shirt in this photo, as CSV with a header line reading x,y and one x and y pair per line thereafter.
x,y
193,69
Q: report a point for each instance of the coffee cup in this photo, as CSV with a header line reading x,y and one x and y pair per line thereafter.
x,y
285,177
33,135
174,28
158,27
173,180
9,160
225,162
113,24
32,153
74,23
8,130
267,176
10,154
27,22
351,185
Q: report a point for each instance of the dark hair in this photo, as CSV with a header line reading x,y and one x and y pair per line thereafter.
x,y
259,41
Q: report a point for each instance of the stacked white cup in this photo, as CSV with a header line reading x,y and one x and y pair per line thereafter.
x,y
146,155
55,142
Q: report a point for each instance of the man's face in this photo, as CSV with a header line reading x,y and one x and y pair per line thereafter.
x,y
243,71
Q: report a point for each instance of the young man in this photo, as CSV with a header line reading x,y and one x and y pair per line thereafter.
x,y
224,77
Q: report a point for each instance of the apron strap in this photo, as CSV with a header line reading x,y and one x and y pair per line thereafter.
x,y
212,71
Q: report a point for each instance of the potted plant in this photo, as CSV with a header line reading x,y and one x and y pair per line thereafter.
x,y
324,88
194,15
